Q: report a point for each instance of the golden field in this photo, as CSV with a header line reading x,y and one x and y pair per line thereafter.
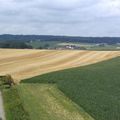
x,y
22,64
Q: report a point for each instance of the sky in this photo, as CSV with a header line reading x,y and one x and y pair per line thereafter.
x,y
60,17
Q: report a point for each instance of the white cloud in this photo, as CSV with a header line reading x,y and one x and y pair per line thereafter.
x,y
109,7
76,17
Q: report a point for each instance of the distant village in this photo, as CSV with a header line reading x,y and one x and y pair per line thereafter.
x,y
70,47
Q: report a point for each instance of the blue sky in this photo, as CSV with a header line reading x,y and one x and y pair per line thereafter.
x,y
60,17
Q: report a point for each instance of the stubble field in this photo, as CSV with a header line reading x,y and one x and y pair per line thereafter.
x,y
22,64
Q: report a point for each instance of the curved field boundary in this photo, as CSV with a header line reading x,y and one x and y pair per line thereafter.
x,y
22,64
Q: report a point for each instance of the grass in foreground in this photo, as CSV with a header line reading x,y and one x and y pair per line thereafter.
x,y
13,106
96,88
46,102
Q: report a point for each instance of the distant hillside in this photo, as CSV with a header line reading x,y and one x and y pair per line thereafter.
x,y
109,40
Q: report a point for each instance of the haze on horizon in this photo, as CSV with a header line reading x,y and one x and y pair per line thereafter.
x,y
60,17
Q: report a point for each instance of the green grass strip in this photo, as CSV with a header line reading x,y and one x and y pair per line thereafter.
x,y
13,106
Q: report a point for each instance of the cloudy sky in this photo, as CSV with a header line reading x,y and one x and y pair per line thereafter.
x,y
60,17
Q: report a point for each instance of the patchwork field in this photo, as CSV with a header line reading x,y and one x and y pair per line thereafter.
x,y
95,88
22,64
88,92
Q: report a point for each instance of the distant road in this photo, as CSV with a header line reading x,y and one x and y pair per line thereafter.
x,y
2,114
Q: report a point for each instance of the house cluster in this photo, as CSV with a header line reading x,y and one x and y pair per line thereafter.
x,y
70,47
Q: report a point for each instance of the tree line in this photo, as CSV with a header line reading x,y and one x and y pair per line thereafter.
x,y
14,44
27,38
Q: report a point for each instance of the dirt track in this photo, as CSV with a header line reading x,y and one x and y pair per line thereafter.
x,y
2,114
23,64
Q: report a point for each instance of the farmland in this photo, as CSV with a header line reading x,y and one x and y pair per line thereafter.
x,y
78,45
22,64
95,88
92,46
61,85
42,44
50,103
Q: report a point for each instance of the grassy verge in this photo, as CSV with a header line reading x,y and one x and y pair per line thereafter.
x,y
13,106
46,102
96,88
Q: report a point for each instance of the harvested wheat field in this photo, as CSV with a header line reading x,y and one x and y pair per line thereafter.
x,y
22,64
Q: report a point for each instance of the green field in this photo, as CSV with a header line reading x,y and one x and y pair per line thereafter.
x,y
13,105
106,47
78,44
42,44
84,93
91,46
58,44
46,102
40,102
95,88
